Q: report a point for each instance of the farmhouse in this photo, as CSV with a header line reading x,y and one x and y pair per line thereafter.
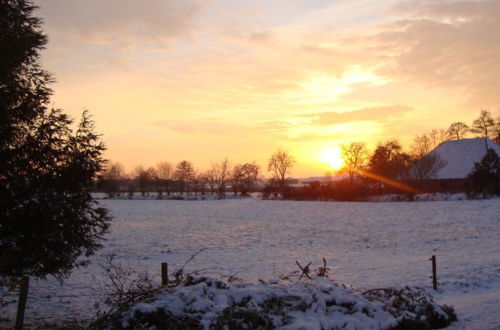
x,y
459,157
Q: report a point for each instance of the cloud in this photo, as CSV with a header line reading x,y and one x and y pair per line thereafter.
x,y
121,23
445,44
340,133
203,126
381,113
449,10
246,33
216,126
273,126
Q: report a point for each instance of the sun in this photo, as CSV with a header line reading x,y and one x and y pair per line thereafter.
x,y
333,157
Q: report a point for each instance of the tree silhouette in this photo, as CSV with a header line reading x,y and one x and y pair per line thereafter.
x,y
354,155
144,177
496,136
484,124
421,146
389,161
280,164
111,179
221,172
458,130
48,217
184,173
438,136
486,174
426,167
243,177
165,173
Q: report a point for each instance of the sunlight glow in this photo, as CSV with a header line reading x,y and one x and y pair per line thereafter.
x,y
390,182
333,157
320,88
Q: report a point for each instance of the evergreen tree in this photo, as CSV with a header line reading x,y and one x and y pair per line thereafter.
x,y
48,218
486,175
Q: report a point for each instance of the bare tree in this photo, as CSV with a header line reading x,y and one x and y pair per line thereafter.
x,y
484,125
426,167
280,164
438,136
421,146
202,180
236,177
112,177
221,172
184,173
496,136
458,130
243,177
250,175
354,155
210,180
144,177
195,182
165,173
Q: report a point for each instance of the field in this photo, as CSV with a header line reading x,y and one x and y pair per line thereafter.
x,y
367,245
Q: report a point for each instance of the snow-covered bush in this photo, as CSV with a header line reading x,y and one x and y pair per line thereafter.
x,y
207,303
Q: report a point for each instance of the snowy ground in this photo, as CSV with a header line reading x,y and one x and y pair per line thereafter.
x,y
367,245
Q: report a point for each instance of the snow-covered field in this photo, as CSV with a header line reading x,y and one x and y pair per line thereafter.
x,y
367,245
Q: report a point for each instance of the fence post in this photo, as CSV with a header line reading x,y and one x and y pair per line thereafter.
x,y
434,273
164,273
21,304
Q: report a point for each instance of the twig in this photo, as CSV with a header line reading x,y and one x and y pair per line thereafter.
x,y
305,270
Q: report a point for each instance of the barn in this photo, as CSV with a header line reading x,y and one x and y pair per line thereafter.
x,y
459,157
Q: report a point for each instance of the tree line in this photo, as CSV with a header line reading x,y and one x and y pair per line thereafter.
x,y
388,166
182,178
388,161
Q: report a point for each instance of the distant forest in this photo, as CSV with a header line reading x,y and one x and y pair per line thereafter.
x,y
361,171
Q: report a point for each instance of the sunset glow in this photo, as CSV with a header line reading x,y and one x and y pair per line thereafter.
x,y
170,80
333,157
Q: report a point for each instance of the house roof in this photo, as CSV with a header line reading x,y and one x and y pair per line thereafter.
x,y
461,155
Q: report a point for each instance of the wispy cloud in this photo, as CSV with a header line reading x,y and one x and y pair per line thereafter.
x,y
209,126
122,23
380,114
446,44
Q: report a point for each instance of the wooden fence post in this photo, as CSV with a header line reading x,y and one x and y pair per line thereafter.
x,y
21,304
164,273
434,273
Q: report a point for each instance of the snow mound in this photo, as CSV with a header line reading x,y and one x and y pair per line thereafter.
x,y
207,303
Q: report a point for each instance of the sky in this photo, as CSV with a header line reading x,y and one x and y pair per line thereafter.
x,y
172,80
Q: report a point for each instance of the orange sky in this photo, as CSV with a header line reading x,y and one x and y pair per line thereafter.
x,y
205,80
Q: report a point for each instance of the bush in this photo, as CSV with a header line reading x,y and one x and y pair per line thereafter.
x,y
342,190
201,302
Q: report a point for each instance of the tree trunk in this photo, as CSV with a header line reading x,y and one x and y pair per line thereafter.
x,y
21,305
